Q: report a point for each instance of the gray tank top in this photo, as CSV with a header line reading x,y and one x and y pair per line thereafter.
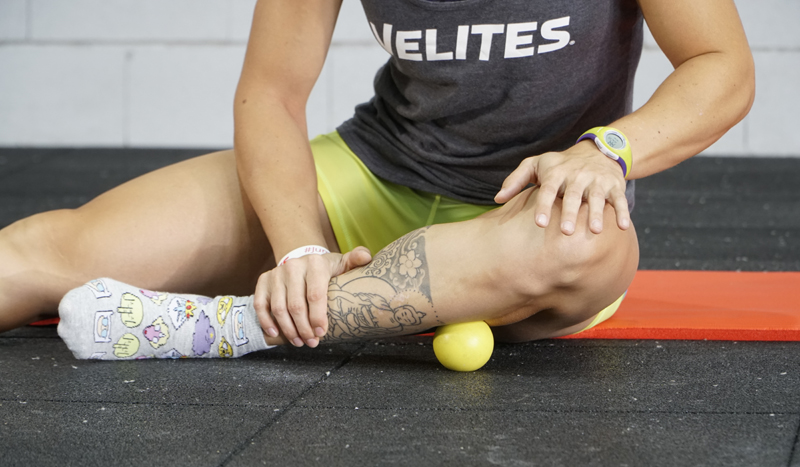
x,y
472,87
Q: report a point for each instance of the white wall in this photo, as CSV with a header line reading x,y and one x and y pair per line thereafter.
x,y
162,73
771,128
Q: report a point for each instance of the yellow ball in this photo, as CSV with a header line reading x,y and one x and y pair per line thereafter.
x,y
465,346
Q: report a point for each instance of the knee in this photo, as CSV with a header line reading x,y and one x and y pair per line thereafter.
x,y
545,260
588,257
42,240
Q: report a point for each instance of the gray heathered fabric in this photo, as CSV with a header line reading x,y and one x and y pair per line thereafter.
x,y
459,125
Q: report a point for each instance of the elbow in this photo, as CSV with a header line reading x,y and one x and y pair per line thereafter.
x,y
745,88
751,91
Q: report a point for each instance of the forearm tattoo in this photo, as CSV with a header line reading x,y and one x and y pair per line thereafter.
x,y
388,297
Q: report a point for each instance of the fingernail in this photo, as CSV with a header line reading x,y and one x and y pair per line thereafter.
x,y
272,332
313,343
567,227
297,342
319,331
596,226
625,224
541,219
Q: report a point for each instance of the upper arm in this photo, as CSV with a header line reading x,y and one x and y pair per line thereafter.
x,y
289,41
685,29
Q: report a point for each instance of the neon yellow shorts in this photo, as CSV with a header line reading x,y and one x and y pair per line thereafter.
x,y
605,313
372,212
369,211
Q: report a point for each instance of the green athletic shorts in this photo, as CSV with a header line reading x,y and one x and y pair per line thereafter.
x,y
369,211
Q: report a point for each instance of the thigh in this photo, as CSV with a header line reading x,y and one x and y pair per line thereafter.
x,y
186,227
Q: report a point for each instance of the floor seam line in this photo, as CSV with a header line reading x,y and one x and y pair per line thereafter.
x,y
288,407
794,445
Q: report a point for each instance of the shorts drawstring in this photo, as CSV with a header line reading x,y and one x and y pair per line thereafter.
x,y
434,207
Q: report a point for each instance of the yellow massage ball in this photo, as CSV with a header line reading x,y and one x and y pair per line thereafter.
x,y
463,347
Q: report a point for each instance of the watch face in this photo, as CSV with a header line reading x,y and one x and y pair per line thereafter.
x,y
614,141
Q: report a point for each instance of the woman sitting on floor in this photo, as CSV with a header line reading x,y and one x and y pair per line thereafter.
x,y
479,100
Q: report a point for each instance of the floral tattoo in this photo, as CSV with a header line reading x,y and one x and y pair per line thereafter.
x,y
402,263
378,302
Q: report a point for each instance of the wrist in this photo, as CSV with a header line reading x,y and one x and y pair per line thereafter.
x,y
303,251
613,144
588,147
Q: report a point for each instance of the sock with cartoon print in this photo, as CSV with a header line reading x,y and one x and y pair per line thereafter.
x,y
108,320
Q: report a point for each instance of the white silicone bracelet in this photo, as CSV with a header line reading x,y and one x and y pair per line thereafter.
x,y
304,250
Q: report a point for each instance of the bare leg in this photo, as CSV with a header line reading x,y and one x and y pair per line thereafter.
x,y
186,227
527,282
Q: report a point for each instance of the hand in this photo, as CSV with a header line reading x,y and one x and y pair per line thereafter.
x,y
294,297
581,173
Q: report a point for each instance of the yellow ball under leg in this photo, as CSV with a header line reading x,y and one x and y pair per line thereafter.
x,y
464,346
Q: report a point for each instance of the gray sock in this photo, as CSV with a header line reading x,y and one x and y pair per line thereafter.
x,y
108,320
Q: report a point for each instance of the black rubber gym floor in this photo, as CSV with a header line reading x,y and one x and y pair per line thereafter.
x,y
577,402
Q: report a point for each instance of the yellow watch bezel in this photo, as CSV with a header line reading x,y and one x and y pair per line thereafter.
x,y
623,155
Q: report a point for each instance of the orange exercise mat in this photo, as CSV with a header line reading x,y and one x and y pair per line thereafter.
x,y
713,305
46,322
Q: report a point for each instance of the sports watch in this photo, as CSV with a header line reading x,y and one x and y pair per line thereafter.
x,y
613,144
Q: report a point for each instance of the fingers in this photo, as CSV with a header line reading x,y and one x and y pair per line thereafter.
x,y
544,203
293,298
579,175
597,200
597,204
517,180
353,259
573,198
620,203
261,304
596,197
279,308
297,299
317,279
312,322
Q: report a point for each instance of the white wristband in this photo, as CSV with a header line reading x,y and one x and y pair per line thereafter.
x,y
302,251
